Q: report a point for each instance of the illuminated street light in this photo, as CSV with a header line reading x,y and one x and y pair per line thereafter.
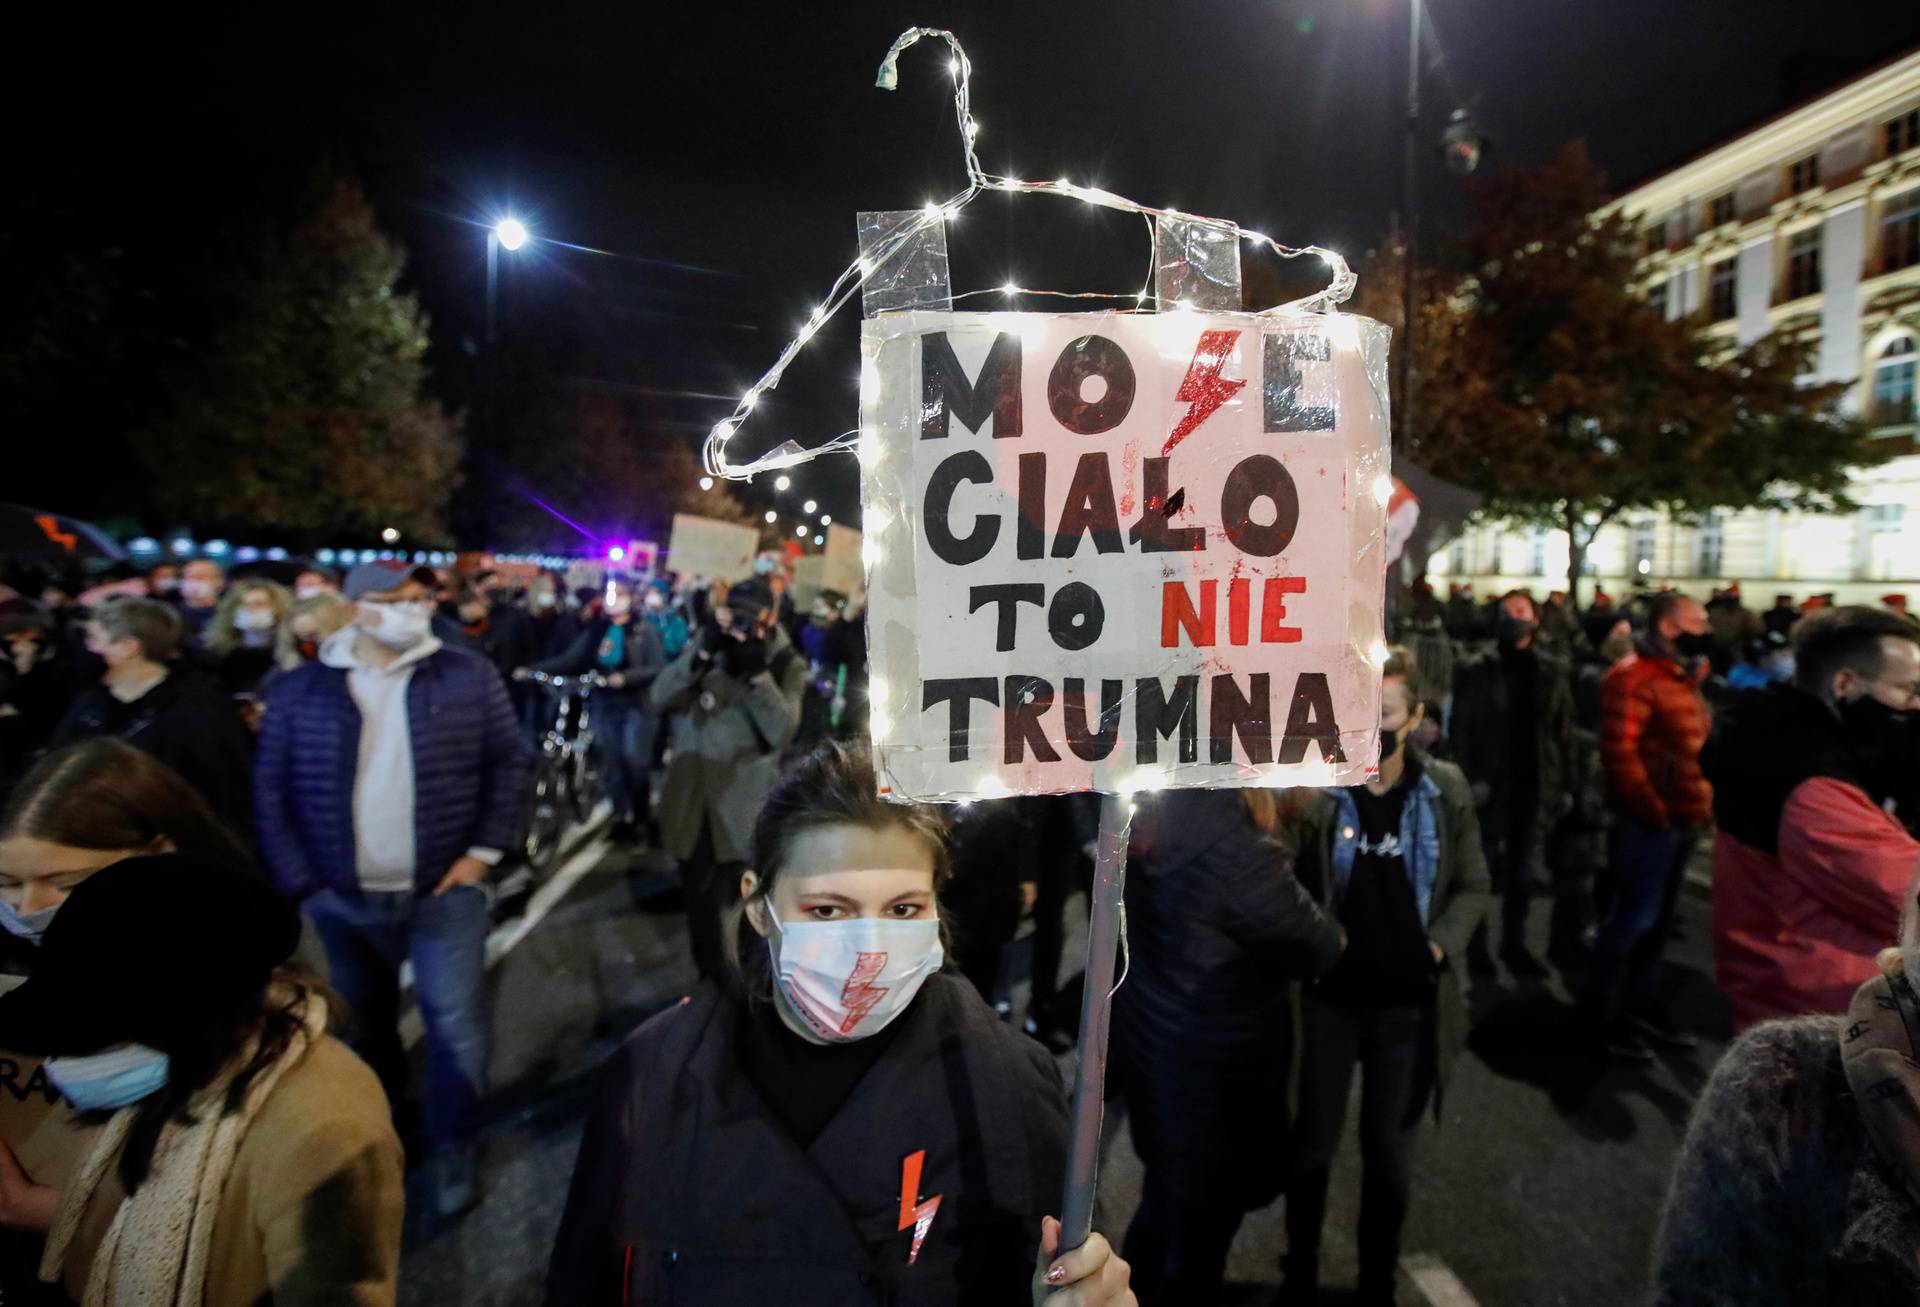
x,y
772,516
783,482
390,534
510,232
706,483
810,506
826,519
615,554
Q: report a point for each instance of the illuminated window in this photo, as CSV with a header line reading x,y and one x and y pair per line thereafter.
x,y
1709,544
1803,263
1722,291
1891,404
1803,175
1720,210
1641,545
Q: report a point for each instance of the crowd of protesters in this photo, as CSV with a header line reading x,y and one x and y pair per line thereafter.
x,y
196,764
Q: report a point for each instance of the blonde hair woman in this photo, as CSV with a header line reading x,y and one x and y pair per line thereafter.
x,y
241,634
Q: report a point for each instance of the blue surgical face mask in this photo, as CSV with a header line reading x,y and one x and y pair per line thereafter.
x,y
118,1077
29,926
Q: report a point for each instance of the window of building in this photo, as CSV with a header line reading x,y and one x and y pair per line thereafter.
x,y
1723,299
1720,209
1657,298
1885,518
1892,402
1803,175
1709,544
1903,133
1536,551
1457,555
1803,263
1900,232
1640,545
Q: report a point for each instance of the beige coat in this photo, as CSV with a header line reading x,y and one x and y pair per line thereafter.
x,y
312,1210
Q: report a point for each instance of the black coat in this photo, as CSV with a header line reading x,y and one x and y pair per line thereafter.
x,y
187,722
1479,735
1217,927
643,652
689,1192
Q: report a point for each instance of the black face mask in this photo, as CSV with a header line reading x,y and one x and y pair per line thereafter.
x,y
1389,743
1690,644
1514,629
1878,733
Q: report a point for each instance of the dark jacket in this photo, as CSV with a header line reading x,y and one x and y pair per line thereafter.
x,y
688,1192
187,722
1478,734
728,735
1779,1197
1217,929
643,656
1459,893
469,771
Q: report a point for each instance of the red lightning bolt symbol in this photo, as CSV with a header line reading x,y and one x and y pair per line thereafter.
x,y
1203,388
914,1214
860,994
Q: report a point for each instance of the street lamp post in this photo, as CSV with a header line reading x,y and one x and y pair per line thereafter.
x,y
1410,207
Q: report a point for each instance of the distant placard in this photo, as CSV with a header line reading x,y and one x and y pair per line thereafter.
x,y
711,549
1115,551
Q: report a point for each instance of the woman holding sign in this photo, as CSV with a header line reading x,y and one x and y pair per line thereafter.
x,y
836,1121
1398,860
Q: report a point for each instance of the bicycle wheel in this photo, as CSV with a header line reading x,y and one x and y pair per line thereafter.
x,y
548,814
584,782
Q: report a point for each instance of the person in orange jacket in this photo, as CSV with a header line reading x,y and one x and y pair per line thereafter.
x,y
1653,724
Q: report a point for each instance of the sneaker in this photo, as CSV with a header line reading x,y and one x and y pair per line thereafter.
x,y
1655,1026
457,1187
1625,1043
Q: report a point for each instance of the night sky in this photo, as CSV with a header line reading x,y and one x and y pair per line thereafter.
x,y
719,152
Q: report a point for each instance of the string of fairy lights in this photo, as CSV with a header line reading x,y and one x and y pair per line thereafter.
x,y
850,282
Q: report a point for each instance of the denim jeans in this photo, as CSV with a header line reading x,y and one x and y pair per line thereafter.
x,y
1394,1049
623,737
367,936
1646,867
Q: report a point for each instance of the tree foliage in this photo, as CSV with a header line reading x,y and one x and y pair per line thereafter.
x,y
1546,383
306,412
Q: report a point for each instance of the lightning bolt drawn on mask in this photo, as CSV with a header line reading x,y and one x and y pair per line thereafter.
x,y
915,1214
860,994
1203,389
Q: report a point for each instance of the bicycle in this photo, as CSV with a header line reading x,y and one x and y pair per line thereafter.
x,y
566,782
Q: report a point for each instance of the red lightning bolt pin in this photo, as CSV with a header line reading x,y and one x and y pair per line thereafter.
x,y
1203,389
915,1214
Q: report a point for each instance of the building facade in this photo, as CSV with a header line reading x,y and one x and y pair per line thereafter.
x,y
1807,223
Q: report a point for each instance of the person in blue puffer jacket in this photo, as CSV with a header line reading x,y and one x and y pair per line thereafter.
x,y
390,777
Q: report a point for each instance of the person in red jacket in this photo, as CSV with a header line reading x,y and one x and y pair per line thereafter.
x,y
1809,870
1652,726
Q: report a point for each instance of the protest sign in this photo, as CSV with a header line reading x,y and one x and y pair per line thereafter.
x,y
1116,551
711,549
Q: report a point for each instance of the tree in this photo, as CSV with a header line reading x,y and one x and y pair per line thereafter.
x,y
306,412
1547,384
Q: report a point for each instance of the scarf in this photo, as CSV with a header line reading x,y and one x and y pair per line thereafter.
x,y
1879,1044
156,1250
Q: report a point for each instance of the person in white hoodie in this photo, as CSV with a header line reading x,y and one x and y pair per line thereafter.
x,y
390,778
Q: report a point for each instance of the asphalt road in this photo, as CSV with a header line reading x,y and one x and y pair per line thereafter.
x,y
1539,1188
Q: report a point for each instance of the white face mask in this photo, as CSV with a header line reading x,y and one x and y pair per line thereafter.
x,y
253,619
199,591
849,979
401,626
308,589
